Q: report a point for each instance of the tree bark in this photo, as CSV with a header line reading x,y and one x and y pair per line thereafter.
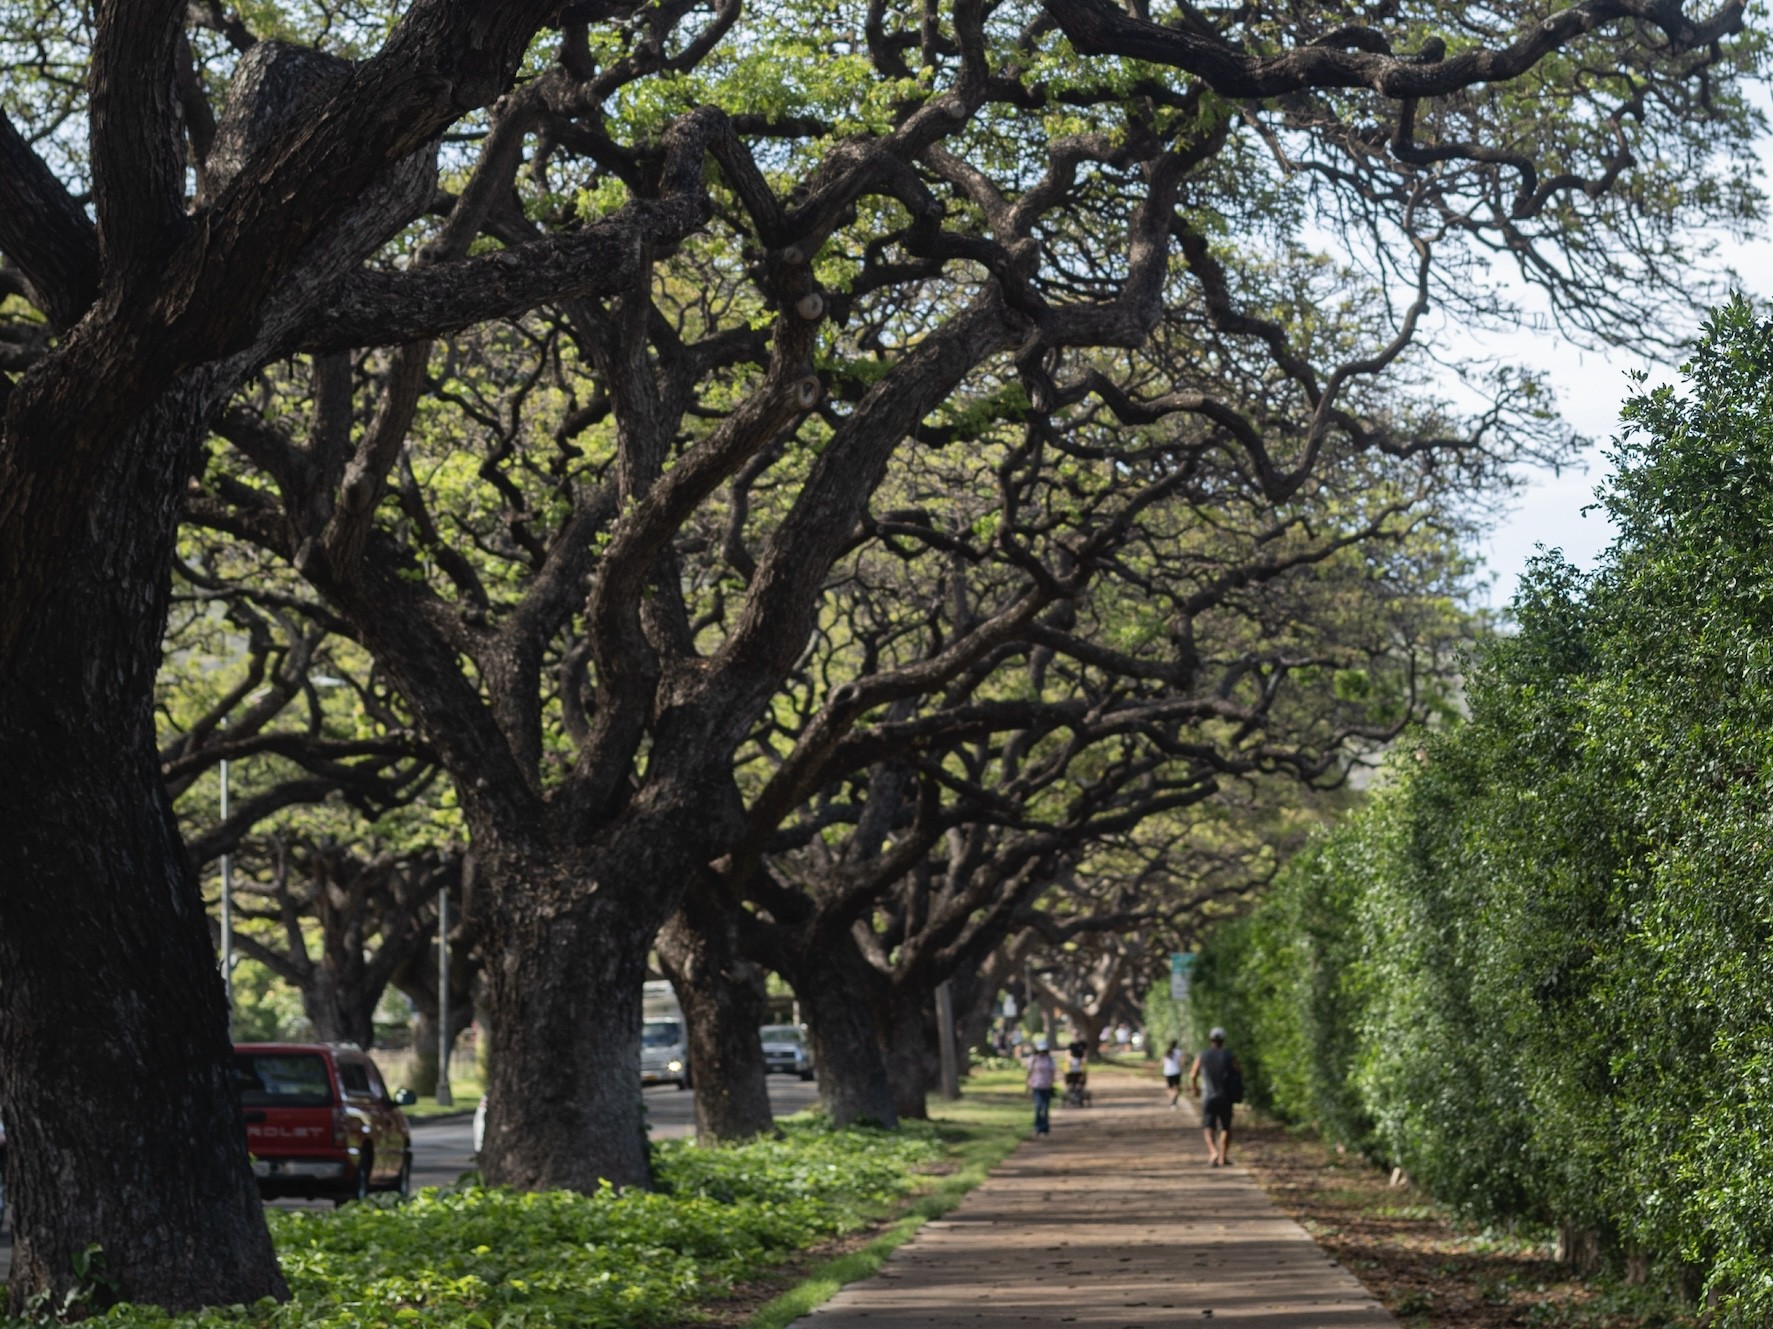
x,y
830,981
561,1003
418,981
908,1044
421,1070
724,1003
124,1126
340,1011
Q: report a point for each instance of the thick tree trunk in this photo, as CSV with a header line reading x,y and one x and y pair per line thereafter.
x,y
831,982
724,1003
908,1044
561,1004
123,1125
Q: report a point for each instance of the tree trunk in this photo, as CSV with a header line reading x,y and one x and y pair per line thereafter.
x,y
975,1001
418,981
340,1011
831,981
561,1004
421,1070
123,1123
724,1003
1088,1027
907,1037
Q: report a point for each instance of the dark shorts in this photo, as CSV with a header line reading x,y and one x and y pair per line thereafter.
x,y
1215,1114
1174,1081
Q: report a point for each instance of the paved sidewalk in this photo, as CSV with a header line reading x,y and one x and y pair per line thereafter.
x,y
1115,1220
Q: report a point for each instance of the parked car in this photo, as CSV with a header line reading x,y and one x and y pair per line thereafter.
x,y
785,1049
664,1052
664,1037
320,1122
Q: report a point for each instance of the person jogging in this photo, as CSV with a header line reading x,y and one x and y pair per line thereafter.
x,y
1173,1071
1218,1079
1040,1084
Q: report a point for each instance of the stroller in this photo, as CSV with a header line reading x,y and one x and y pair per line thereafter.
x,y
1077,1079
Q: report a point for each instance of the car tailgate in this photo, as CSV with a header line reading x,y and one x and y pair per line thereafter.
x,y
285,1132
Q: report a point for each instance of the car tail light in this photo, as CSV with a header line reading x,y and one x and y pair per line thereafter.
x,y
340,1126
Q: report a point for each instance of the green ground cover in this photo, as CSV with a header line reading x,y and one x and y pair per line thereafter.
x,y
980,1130
471,1257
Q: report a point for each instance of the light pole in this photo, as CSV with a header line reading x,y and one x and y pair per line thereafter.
x,y
227,914
444,1097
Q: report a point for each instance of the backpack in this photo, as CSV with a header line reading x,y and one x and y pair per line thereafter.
x,y
1234,1083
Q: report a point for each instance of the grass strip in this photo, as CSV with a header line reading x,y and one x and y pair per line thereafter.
x,y
428,1108
987,1125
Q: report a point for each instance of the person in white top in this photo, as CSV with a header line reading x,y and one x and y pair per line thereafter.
x,y
1173,1071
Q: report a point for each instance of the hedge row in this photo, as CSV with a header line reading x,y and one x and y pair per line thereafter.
x,y
1534,970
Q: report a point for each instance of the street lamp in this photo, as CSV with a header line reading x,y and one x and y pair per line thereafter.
x,y
445,1095
227,914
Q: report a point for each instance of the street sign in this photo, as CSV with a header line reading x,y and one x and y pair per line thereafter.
x,y
1181,969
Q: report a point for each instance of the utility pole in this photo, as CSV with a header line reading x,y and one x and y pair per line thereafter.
x,y
444,1097
227,913
945,1035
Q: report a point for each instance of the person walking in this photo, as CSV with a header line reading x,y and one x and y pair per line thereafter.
x,y
1173,1071
1218,1079
1040,1083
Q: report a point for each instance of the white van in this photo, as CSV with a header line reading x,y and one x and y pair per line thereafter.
x,y
664,1037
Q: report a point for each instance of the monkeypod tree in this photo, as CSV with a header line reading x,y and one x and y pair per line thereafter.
x,y
775,249
1065,758
1200,634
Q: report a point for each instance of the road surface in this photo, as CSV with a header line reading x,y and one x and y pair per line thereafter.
x,y
443,1150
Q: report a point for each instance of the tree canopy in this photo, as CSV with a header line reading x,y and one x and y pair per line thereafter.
x,y
590,372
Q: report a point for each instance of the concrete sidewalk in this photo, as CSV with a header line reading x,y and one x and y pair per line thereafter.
x,y
1114,1220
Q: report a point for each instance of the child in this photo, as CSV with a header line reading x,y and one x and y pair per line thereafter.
x,y
1173,1071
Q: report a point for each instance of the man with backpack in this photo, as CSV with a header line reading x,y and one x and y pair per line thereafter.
x,y
1219,1081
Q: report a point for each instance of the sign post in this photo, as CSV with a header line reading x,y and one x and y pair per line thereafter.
x,y
1181,970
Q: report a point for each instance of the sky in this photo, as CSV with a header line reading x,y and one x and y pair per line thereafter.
x,y
1590,386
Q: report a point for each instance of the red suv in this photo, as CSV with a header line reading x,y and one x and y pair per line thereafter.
x,y
319,1121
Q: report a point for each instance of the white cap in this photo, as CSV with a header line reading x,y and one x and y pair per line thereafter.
x,y
1040,1044
1216,1034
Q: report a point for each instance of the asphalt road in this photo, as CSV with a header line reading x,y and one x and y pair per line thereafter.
x,y
443,1150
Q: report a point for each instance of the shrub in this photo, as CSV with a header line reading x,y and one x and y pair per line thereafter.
x,y
1532,970
478,1258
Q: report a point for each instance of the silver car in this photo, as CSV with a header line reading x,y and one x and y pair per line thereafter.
x,y
785,1049
664,1053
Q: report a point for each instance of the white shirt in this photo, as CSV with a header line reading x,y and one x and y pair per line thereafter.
x,y
1172,1063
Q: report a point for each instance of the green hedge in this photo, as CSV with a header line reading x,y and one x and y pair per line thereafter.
x,y
1537,969
478,1258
